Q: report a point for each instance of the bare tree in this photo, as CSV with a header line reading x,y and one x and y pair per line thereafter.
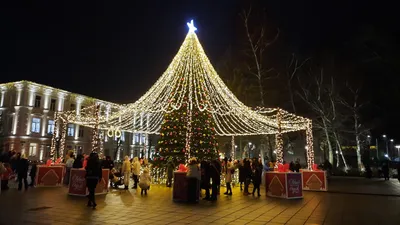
x,y
292,67
354,106
321,97
258,43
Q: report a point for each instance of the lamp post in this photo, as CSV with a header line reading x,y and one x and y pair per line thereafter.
x,y
387,144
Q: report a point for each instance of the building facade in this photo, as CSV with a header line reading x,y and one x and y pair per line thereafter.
x,y
27,112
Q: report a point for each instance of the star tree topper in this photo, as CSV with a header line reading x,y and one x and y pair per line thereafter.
x,y
191,26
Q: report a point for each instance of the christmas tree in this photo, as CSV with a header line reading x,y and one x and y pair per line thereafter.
x,y
187,129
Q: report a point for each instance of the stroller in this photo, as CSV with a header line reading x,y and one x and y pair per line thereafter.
x,y
117,179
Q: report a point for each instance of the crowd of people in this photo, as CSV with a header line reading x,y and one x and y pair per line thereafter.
x,y
15,165
209,173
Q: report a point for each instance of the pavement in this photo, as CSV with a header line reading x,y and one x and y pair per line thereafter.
x,y
54,206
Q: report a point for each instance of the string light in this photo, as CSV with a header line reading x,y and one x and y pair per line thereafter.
x,y
310,146
191,83
95,130
54,137
279,139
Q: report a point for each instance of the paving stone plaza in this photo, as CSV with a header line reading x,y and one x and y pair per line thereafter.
x,y
54,206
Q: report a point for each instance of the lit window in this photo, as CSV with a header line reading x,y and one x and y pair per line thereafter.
x,y
53,105
71,130
32,149
35,125
37,101
143,139
137,138
50,127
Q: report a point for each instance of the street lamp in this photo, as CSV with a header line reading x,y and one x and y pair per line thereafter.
x,y
384,136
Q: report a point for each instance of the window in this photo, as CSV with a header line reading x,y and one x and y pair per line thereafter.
x,y
32,149
143,139
122,136
137,138
37,101
80,134
71,130
35,128
72,107
50,127
53,105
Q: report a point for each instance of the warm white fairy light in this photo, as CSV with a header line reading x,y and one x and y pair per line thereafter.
x,y
191,81
279,139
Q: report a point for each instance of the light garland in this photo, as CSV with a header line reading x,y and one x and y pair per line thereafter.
x,y
95,130
310,147
54,137
62,139
233,148
190,83
279,139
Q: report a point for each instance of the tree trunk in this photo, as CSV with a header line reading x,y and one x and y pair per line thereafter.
x,y
328,141
340,150
360,164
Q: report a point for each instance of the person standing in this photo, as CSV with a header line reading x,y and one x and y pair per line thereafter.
x,y
32,174
242,175
22,171
170,171
297,166
193,177
145,181
205,178
385,170
78,162
93,177
215,174
247,173
69,162
136,172
257,168
229,170
126,171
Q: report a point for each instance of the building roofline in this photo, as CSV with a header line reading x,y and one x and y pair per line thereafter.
x,y
8,84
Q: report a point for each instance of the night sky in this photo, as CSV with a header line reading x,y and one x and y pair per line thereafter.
x,y
115,51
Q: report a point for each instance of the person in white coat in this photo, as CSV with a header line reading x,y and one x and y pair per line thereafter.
x,y
229,170
145,181
126,171
135,171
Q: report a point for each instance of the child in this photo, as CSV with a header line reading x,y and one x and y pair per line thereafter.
x,y
32,174
6,176
145,180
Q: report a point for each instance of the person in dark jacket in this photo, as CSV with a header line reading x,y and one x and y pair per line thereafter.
x,y
297,166
170,171
78,163
215,174
247,173
107,163
242,175
22,171
32,174
385,170
257,172
93,176
205,178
